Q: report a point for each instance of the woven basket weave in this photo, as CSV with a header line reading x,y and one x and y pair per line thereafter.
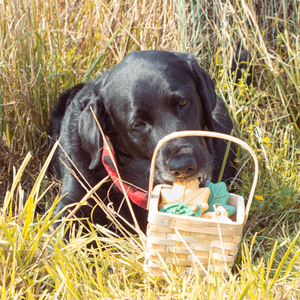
x,y
183,241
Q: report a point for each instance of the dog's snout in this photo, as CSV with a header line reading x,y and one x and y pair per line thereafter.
x,y
183,165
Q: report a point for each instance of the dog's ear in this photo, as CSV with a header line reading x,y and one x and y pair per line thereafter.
x,y
205,88
89,132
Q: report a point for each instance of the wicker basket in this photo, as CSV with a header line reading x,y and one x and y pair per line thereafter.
x,y
183,241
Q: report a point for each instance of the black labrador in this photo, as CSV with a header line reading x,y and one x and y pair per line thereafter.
x,y
139,101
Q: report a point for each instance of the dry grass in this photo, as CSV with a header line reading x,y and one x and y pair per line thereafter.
x,y
46,47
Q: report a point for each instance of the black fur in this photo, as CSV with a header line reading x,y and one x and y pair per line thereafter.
x,y
142,99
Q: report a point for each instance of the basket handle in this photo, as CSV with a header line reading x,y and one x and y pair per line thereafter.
x,y
227,137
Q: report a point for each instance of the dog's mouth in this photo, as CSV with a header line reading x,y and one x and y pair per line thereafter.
x,y
204,179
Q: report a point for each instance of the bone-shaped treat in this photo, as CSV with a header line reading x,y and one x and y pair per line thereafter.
x,y
219,214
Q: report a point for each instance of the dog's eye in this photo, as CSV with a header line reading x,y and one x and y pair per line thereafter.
x,y
182,103
139,124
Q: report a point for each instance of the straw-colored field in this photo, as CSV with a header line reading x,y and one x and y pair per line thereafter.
x,y
48,46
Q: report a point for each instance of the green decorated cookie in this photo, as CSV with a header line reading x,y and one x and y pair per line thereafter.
x,y
220,197
180,208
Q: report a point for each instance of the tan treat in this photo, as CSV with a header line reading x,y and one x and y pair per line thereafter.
x,y
186,191
195,208
220,214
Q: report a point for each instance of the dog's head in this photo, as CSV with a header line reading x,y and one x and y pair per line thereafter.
x,y
142,99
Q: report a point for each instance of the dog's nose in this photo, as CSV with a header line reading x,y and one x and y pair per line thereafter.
x,y
182,165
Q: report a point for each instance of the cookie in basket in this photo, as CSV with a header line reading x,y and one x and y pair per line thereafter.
x,y
186,191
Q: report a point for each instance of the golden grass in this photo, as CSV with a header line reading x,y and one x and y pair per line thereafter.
x,y
46,47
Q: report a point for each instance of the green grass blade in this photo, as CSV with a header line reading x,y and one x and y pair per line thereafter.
x,y
250,281
271,260
283,260
89,72
16,181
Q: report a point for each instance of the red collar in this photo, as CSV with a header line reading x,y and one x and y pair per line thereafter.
x,y
136,196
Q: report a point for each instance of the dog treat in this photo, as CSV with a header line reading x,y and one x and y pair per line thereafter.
x,y
220,214
186,191
220,197
180,208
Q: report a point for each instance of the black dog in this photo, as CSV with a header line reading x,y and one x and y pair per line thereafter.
x,y
139,101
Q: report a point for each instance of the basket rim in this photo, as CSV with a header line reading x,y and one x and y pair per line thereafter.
x,y
154,200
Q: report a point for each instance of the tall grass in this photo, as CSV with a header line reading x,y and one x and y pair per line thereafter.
x,y
46,47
